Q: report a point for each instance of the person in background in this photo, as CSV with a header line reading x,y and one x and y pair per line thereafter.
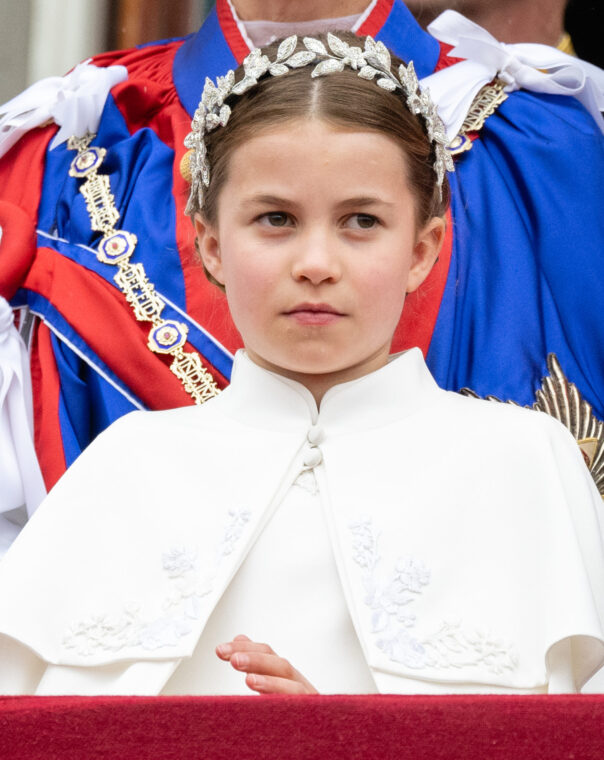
x,y
96,262
584,22
569,26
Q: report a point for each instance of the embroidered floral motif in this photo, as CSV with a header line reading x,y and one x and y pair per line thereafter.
x,y
452,647
393,620
181,607
177,562
237,522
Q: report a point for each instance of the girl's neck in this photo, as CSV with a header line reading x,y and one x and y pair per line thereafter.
x,y
288,11
318,384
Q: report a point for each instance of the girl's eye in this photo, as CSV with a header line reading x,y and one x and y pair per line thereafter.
x,y
275,219
362,222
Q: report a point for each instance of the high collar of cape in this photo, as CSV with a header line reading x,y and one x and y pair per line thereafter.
x,y
220,45
263,399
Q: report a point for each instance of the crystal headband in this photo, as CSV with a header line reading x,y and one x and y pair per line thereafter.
x,y
372,63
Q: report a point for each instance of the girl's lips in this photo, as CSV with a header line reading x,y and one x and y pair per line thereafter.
x,y
314,314
314,317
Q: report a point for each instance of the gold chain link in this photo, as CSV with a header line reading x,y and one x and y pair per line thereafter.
x,y
166,336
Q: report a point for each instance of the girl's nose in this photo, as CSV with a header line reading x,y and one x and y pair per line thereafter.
x,y
317,260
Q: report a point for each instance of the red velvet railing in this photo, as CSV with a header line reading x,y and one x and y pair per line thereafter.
x,y
292,728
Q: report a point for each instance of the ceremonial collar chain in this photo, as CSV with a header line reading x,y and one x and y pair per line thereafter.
x,y
372,63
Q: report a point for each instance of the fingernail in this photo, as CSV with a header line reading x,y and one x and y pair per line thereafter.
x,y
254,681
224,649
240,660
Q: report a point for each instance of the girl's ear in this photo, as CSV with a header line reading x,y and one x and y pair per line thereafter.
x,y
425,252
207,245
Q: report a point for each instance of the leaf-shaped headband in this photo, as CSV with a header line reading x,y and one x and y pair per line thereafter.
x,y
372,63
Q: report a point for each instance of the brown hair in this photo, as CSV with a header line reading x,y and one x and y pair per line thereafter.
x,y
342,99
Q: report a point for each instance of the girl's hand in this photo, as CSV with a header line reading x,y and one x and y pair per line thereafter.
x,y
267,673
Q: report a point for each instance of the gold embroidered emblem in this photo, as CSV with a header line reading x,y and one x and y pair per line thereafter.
x,y
486,102
115,249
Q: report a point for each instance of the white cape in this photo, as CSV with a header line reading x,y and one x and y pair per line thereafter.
x,y
466,535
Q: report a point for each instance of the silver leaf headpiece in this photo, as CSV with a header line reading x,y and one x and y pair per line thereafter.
x,y
372,63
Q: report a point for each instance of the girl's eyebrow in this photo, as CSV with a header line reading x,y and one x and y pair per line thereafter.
x,y
275,200
268,200
364,200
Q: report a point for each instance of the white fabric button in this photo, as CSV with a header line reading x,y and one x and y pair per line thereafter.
x,y
312,457
315,434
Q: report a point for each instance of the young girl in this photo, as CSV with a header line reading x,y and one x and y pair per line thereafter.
x,y
333,521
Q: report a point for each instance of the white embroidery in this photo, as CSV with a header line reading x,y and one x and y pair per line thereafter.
x,y
177,562
449,647
238,519
307,481
452,647
181,607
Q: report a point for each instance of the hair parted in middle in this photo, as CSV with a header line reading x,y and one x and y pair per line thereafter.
x,y
342,99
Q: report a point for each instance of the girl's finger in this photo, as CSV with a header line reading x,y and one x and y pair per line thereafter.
x,y
241,644
264,664
275,685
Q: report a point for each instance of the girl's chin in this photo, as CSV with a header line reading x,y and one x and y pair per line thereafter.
x,y
299,363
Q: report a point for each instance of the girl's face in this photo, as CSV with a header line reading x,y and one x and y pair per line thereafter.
x,y
316,245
